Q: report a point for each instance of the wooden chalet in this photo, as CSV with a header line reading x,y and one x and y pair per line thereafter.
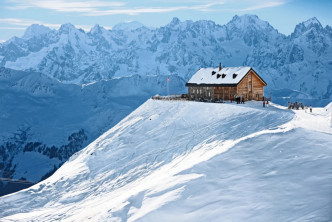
x,y
225,83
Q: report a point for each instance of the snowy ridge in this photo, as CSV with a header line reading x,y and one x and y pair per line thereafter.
x,y
43,122
175,161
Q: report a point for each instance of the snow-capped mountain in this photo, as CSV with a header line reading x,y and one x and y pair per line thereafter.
x,y
35,31
188,161
300,61
43,122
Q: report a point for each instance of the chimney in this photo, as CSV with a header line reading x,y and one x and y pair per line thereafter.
x,y
220,67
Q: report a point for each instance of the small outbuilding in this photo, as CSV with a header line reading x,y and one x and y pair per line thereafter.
x,y
225,83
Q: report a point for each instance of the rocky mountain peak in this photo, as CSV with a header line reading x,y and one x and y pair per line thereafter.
x,y
306,26
312,22
252,29
35,30
97,29
66,28
175,21
245,22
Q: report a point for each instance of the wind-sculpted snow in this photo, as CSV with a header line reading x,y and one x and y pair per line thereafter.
x,y
190,161
43,122
300,61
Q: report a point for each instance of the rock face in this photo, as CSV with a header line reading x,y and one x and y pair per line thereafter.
x,y
43,122
300,61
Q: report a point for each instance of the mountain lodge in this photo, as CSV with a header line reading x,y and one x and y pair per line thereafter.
x,y
225,83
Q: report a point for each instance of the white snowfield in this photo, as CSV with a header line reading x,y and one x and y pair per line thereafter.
x,y
190,161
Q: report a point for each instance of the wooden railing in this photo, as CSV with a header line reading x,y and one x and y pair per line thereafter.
x,y
171,97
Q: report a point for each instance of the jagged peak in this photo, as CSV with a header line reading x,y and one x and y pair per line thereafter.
x,y
97,29
67,27
35,30
311,21
305,26
175,21
247,20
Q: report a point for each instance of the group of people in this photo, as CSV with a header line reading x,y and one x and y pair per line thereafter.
x,y
266,104
297,106
238,98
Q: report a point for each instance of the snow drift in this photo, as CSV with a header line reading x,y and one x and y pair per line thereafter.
x,y
43,122
189,161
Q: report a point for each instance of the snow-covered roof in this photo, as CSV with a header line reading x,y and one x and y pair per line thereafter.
x,y
224,76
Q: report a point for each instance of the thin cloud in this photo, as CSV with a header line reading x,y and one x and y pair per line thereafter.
x,y
15,23
98,8
136,11
103,8
11,28
63,6
18,22
263,5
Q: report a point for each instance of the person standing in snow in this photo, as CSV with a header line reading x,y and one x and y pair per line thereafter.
x,y
310,107
264,104
267,104
305,108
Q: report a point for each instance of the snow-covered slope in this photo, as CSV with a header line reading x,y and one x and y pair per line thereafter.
x,y
43,122
300,61
190,161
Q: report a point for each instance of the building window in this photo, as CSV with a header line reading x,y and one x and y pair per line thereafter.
x,y
249,86
249,76
257,95
209,94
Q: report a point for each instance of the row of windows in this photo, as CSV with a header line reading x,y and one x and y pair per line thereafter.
x,y
199,91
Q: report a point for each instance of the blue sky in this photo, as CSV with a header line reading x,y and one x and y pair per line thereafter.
x,y
16,15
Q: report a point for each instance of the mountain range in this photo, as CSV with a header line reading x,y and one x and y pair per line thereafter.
x,y
300,62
